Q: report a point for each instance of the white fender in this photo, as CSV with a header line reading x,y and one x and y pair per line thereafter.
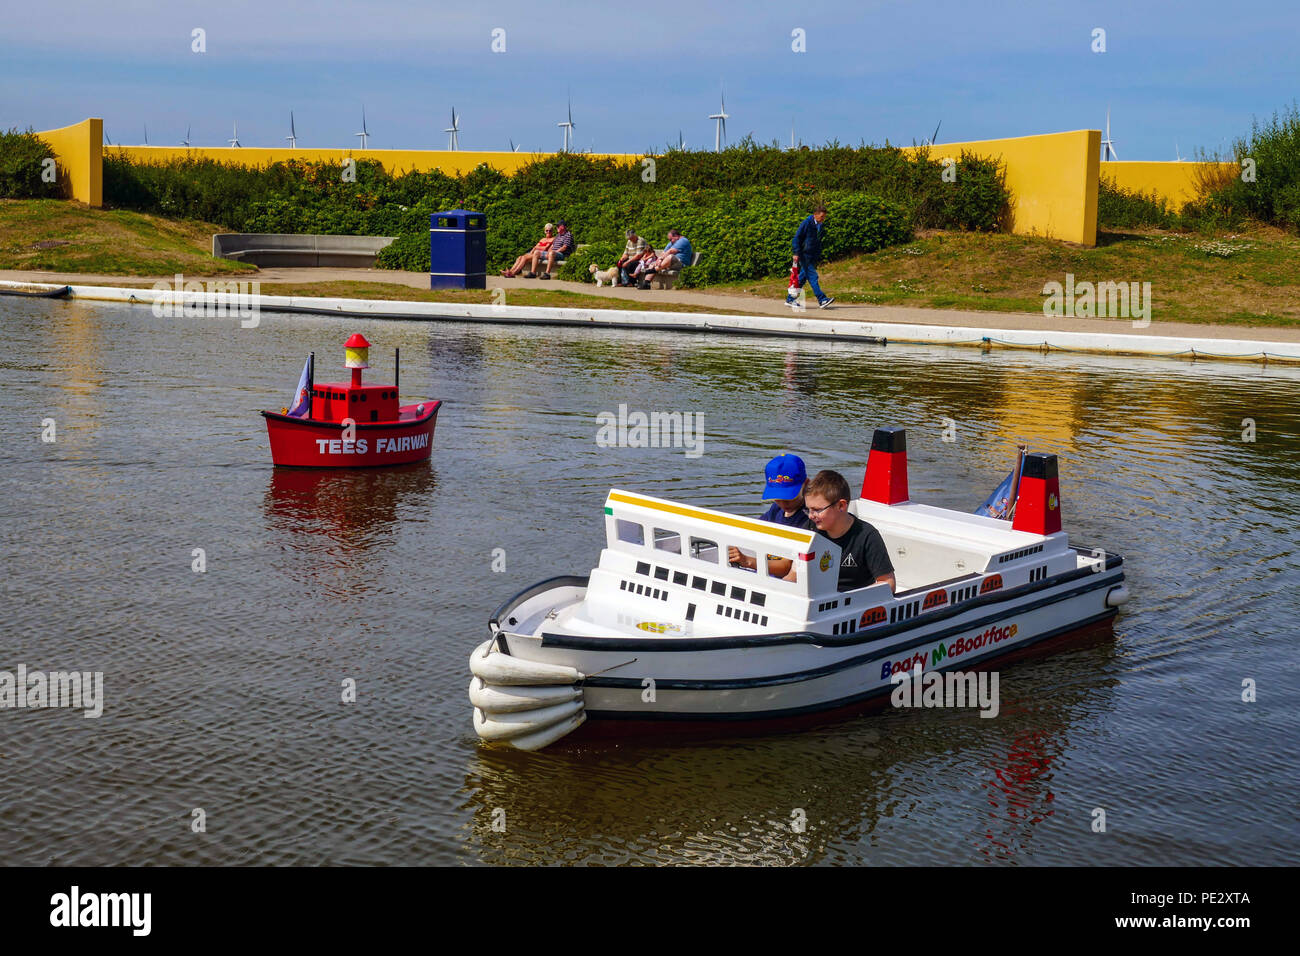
x,y
506,726
1117,595
544,738
508,700
505,669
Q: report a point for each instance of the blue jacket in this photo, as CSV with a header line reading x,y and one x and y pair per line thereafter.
x,y
807,244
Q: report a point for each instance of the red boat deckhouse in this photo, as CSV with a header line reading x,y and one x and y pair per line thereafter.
x,y
348,424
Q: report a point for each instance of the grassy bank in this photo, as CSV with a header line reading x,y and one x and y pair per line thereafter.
x,y
1250,278
52,235
537,298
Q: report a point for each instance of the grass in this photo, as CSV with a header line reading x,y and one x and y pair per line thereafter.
x,y
1248,278
51,235
538,298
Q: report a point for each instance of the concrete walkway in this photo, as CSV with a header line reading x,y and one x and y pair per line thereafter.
x,y
729,303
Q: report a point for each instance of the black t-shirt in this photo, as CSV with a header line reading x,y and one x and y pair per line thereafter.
x,y
863,556
776,514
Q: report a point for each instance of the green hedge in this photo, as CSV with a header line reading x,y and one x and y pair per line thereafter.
x,y
739,207
22,160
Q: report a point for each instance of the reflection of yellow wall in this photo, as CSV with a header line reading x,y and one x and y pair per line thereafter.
x,y
1052,180
1175,182
394,160
77,149
1040,410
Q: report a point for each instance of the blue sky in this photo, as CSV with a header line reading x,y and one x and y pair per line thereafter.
x,y
1192,73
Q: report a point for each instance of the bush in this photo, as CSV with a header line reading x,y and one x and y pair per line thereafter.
x,y
22,160
1274,196
1124,209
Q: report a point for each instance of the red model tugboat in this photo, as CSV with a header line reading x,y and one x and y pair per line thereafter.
x,y
348,424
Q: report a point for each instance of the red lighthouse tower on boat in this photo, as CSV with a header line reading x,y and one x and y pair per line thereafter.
x,y
351,424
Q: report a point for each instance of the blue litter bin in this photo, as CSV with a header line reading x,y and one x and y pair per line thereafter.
x,y
458,250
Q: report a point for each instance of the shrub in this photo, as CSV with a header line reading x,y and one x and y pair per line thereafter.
x,y
1124,209
22,160
577,267
1274,196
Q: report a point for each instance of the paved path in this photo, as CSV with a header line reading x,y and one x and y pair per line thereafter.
x,y
720,302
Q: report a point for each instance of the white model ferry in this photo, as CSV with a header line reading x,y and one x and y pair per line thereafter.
x,y
665,636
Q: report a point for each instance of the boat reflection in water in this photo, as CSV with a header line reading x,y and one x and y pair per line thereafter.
x,y
327,522
851,792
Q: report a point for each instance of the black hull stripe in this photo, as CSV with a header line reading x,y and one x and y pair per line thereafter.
x,y
360,426
750,715
686,645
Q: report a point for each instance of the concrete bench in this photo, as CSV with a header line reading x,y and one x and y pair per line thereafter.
x,y
665,280
281,249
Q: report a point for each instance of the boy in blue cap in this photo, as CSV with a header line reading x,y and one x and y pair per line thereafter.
x,y
786,478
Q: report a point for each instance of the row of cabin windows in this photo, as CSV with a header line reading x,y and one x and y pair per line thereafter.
x,y
701,584
747,616
645,589
352,396
1023,552
1037,574
702,549
904,612
846,627
963,594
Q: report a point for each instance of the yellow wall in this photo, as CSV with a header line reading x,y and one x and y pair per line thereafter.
x,y
394,160
1052,180
81,169
1176,182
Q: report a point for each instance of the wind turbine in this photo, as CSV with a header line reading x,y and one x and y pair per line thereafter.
x,y
567,126
186,141
453,141
935,137
365,133
293,133
720,133
146,134
107,141
234,140
681,143
1178,156
1107,144
792,133
513,147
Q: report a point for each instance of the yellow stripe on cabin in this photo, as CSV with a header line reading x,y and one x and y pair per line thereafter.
x,y
762,527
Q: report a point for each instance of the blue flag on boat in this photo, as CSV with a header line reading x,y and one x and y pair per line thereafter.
x,y
999,504
302,397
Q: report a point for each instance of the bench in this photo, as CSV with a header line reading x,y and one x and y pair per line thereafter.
x,y
665,280
286,249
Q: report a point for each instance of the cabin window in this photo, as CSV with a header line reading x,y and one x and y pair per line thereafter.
x,y
748,562
718,587
757,597
699,583
628,531
704,549
679,577
668,541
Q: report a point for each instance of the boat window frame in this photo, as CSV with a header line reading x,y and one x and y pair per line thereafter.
x,y
619,524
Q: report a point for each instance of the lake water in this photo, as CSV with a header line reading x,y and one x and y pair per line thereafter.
x,y
223,689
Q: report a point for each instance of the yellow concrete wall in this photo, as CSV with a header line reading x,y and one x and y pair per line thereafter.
x,y
81,169
396,161
1052,180
1176,182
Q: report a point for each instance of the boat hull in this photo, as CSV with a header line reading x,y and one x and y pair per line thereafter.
x,y
767,682
310,443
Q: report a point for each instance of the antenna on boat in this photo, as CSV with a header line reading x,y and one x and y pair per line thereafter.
x,y
1015,480
397,368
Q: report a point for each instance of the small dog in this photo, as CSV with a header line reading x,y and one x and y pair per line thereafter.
x,y
610,275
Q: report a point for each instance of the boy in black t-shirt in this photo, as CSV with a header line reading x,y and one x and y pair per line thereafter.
x,y
863,556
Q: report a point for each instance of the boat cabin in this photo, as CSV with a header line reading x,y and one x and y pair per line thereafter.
x,y
665,569
335,401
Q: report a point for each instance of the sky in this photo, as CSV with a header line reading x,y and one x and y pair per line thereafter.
x,y
1183,76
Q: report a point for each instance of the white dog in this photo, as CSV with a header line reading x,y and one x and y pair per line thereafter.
x,y
610,275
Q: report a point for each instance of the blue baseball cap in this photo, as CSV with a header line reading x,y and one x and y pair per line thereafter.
x,y
785,478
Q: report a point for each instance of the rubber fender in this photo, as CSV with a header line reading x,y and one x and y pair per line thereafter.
x,y
504,669
544,738
506,726
508,700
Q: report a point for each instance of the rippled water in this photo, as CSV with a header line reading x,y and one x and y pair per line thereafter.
x,y
223,689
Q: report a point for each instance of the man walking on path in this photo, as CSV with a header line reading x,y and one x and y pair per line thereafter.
x,y
807,247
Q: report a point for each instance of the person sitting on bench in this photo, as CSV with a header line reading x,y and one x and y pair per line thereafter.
x,y
676,256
